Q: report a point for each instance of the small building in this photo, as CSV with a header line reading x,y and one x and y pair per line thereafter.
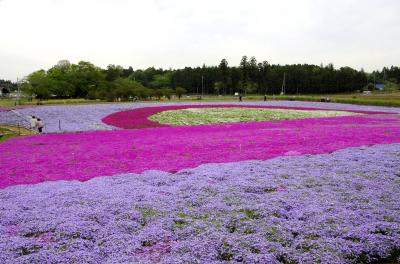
x,y
379,86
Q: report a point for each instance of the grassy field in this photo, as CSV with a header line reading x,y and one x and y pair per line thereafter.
x,y
7,132
376,98
9,103
380,99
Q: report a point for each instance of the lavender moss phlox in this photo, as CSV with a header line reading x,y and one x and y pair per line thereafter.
x,y
330,208
88,117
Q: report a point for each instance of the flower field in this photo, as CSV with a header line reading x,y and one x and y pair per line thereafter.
x,y
160,116
204,116
323,187
100,117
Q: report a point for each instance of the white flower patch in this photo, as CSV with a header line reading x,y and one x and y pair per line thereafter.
x,y
202,116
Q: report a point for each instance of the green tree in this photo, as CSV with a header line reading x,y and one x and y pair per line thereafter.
x,y
59,74
38,84
157,93
142,92
218,87
167,92
87,80
180,91
161,80
127,72
85,76
113,72
126,88
244,71
224,75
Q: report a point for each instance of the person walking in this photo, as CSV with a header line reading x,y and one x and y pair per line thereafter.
x,y
240,98
265,98
32,121
40,125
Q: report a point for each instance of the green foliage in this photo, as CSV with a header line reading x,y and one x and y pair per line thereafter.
x,y
380,102
167,92
124,88
85,76
85,80
225,252
224,78
113,72
369,87
161,80
373,100
218,87
251,214
7,132
180,91
39,85
142,92
157,93
7,86
391,86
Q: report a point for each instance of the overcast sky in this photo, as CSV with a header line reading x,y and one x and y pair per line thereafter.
x,y
35,34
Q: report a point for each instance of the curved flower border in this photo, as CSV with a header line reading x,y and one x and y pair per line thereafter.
x,y
139,118
86,155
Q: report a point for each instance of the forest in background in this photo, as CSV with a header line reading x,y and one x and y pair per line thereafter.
x,y
86,80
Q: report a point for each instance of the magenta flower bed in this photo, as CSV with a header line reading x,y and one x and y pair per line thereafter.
x,y
138,118
86,155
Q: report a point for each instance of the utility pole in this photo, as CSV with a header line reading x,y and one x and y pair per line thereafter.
x,y
202,85
384,76
374,82
19,94
283,84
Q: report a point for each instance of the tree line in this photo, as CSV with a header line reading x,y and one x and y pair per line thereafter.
x,y
391,74
85,80
7,86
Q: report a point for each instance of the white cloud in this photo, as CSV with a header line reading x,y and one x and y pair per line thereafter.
x,y
178,33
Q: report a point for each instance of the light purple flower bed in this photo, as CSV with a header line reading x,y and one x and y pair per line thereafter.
x,y
88,117
330,208
72,118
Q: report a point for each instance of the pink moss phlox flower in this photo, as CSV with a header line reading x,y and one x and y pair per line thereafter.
x,y
139,118
86,155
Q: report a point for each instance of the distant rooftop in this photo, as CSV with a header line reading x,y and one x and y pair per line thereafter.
x,y
379,86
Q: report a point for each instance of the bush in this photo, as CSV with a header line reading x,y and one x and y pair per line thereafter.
x,y
180,91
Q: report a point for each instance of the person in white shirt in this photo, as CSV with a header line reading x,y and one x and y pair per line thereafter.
x,y
40,125
33,122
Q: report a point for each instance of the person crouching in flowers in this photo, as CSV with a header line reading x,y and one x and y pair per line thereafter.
x,y
40,125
